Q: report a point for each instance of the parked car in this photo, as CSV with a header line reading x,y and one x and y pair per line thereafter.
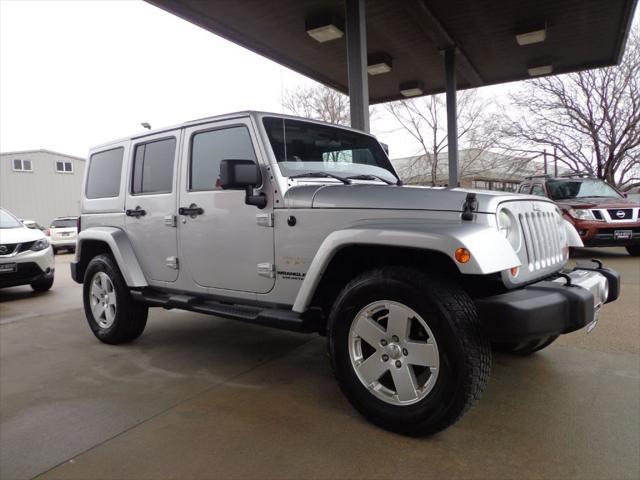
x,y
305,226
602,216
33,225
63,234
26,258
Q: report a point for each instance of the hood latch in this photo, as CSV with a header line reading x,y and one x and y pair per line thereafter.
x,y
469,206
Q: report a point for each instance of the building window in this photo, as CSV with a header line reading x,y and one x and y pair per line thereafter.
x,y
64,167
20,165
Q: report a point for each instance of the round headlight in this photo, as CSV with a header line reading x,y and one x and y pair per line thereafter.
x,y
509,228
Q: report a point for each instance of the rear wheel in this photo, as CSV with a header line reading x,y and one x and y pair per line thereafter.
x,y
524,348
407,350
634,250
113,316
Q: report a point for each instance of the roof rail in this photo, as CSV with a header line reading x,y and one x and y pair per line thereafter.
x,y
576,175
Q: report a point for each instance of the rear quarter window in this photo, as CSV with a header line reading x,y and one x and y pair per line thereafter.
x,y
105,169
66,223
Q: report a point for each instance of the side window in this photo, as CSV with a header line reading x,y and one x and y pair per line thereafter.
x,y
524,188
537,190
209,148
103,179
153,167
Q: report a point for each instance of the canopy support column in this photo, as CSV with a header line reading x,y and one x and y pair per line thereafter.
x,y
357,63
452,115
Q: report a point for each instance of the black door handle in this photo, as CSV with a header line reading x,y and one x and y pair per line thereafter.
x,y
192,210
137,212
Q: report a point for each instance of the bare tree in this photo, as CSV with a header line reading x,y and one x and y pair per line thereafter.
x,y
317,102
591,118
425,120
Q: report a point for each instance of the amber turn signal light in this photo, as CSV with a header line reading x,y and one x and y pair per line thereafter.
x,y
463,255
515,271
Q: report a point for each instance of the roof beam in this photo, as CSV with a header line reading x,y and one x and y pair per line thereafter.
x,y
431,26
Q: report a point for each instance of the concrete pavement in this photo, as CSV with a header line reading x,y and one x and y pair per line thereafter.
x,y
199,397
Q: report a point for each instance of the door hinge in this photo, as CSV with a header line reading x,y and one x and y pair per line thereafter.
x,y
264,219
267,270
172,262
170,220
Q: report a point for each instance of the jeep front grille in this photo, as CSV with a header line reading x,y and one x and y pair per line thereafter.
x,y
544,239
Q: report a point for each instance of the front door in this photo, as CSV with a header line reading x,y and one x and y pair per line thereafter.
x,y
151,205
224,243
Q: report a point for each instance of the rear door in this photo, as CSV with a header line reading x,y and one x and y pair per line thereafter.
x,y
150,206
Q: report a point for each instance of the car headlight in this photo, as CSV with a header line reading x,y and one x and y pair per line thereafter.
x,y
581,214
40,245
508,226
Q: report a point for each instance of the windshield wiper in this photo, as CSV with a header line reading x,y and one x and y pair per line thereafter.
x,y
374,177
344,180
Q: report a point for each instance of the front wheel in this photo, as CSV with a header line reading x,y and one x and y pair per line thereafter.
x,y
633,250
113,316
407,350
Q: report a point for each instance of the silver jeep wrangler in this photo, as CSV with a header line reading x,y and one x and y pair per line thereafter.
x,y
304,226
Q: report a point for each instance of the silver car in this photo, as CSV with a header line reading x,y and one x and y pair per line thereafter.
x,y
300,225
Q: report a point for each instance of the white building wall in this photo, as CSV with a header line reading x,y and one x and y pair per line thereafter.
x,y
43,193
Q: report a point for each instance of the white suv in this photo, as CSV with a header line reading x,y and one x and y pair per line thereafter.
x,y
63,233
26,258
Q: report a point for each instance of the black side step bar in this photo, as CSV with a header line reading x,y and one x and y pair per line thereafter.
x,y
270,317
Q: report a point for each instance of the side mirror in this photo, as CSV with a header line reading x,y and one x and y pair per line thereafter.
x,y
242,175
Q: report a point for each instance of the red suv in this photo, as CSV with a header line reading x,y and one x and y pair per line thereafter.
x,y
602,216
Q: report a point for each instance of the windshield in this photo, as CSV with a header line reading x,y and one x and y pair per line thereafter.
x,y
8,221
566,189
303,147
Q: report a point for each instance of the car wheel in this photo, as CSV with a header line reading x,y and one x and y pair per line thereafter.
x,y
55,250
113,316
407,350
524,348
634,250
42,285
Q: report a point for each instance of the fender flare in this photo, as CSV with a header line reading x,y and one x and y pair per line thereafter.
x,y
121,249
490,251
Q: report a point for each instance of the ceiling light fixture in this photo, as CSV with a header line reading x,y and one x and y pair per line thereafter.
x,y
324,27
411,89
540,70
534,36
378,64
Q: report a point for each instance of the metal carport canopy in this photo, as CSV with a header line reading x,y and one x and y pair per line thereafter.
x,y
412,37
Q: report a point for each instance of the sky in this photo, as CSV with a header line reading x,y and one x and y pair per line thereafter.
x,y
74,74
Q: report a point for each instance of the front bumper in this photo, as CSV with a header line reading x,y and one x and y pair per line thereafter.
x,y
602,234
551,307
30,266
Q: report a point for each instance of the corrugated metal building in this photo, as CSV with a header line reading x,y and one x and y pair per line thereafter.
x,y
40,184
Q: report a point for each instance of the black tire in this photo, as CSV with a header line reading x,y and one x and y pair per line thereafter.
x,y
524,348
55,250
464,352
42,285
130,316
633,250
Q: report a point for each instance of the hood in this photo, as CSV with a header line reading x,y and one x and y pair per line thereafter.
x,y
19,235
596,202
374,196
